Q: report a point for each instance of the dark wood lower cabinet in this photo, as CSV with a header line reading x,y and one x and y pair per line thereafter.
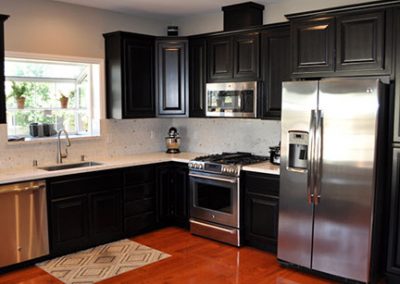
x,y
173,191
261,210
106,215
393,262
70,227
84,210
139,200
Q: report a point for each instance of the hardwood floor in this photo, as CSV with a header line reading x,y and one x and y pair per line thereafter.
x,y
193,260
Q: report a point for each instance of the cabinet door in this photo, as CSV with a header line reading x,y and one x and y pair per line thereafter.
x,y
396,125
106,216
219,62
261,218
165,200
261,210
172,78
138,97
360,43
197,77
275,58
313,46
181,199
393,265
246,56
69,224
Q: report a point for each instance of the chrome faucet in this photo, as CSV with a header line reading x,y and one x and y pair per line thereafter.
x,y
61,156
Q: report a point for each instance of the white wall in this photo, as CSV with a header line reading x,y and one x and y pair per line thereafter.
x,y
43,26
274,12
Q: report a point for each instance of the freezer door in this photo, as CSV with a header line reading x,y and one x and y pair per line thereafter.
x,y
343,216
295,212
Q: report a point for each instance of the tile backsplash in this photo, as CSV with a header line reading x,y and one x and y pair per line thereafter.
x,y
228,134
127,137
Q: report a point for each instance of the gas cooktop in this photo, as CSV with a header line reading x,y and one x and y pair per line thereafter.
x,y
225,163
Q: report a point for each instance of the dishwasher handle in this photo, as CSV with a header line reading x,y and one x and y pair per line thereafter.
x,y
23,187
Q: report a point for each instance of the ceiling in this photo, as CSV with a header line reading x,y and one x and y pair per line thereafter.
x,y
161,8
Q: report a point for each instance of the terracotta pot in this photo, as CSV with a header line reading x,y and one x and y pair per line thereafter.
x,y
64,102
21,102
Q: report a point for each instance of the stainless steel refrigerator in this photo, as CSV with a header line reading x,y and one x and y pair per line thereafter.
x,y
328,175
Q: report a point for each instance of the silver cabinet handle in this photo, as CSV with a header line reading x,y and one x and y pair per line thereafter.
x,y
310,158
213,178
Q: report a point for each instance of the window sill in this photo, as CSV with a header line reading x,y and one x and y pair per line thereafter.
x,y
52,139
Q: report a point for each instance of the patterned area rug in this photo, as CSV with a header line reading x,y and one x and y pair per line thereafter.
x,y
101,262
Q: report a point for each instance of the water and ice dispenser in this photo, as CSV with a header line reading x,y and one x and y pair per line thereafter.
x,y
298,150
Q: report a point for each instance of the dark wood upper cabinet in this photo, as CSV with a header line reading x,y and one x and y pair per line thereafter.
x,y
246,56
197,77
345,42
219,53
233,58
360,42
313,42
129,75
172,77
275,58
2,95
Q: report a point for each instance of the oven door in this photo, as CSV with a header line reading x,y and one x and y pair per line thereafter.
x,y
215,198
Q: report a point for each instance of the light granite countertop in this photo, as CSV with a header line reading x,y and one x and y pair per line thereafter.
x,y
265,168
33,173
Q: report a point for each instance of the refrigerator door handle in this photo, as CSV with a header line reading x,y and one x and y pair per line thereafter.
x,y
310,159
318,157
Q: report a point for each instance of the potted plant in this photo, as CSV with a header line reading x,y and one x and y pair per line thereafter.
x,y
19,92
64,99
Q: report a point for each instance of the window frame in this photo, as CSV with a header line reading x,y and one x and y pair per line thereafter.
x,y
96,108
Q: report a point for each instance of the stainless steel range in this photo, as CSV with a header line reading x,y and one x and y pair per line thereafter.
x,y
215,195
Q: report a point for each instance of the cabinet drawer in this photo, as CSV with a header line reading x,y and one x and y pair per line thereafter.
x,y
263,184
84,183
139,206
139,223
138,175
139,192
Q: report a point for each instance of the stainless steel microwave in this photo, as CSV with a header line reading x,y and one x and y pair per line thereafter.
x,y
237,99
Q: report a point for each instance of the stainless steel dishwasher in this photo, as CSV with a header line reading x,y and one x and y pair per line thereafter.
x,y
23,222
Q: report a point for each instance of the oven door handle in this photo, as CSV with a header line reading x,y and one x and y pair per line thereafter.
x,y
230,180
214,227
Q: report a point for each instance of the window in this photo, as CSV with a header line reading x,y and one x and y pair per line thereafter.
x,y
44,96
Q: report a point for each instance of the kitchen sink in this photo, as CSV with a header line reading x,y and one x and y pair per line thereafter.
x,y
70,166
